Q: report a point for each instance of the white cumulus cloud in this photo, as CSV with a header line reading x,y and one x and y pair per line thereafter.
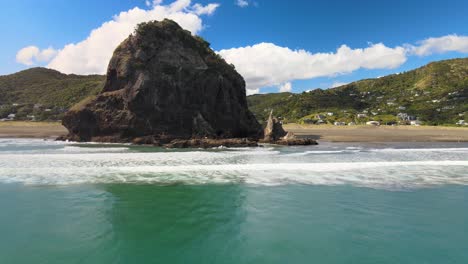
x,y
285,87
242,3
92,55
31,55
251,92
209,9
440,45
267,64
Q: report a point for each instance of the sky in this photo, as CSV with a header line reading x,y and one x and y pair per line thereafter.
x,y
278,46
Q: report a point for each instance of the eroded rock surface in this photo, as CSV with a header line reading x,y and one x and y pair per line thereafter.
x,y
275,134
165,84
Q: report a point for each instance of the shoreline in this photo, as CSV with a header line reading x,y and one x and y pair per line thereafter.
x,y
327,133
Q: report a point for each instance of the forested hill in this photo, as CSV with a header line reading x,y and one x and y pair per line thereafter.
x,y
33,91
48,87
434,94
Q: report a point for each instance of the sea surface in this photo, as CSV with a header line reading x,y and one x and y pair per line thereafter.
x,y
332,203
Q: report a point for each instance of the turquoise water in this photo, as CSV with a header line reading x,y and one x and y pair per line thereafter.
x,y
333,203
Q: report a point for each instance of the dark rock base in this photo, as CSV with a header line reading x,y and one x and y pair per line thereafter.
x,y
174,143
212,143
292,142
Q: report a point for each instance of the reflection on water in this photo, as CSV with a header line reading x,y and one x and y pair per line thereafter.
x,y
176,223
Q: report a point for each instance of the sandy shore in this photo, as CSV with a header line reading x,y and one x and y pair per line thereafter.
x,y
381,133
31,130
322,133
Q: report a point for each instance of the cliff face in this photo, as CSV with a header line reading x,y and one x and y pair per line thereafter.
x,y
163,82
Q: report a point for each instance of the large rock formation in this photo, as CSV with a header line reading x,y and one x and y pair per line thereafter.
x,y
164,84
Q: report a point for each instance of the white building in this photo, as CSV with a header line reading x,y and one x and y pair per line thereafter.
x,y
373,123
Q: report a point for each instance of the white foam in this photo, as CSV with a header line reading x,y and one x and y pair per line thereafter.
x,y
370,174
318,152
63,164
457,150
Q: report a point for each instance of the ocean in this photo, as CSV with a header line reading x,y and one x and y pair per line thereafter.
x,y
331,203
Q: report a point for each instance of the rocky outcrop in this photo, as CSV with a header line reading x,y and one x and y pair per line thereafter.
x,y
164,84
212,143
273,130
275,134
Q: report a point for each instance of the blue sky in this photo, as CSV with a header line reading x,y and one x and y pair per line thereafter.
x,y
288,44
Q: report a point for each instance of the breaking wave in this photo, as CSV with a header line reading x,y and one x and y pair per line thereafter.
x,y
51,163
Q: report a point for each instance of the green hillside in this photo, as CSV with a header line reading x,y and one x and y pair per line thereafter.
x,y
44,93
435,94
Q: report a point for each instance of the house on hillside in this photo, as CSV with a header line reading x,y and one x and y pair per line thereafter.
x,y
339,124
361,115
402,116
406,117
462,123
11,116
330,114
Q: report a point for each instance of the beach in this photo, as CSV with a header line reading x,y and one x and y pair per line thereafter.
x,y
380,133
20,129
322,133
